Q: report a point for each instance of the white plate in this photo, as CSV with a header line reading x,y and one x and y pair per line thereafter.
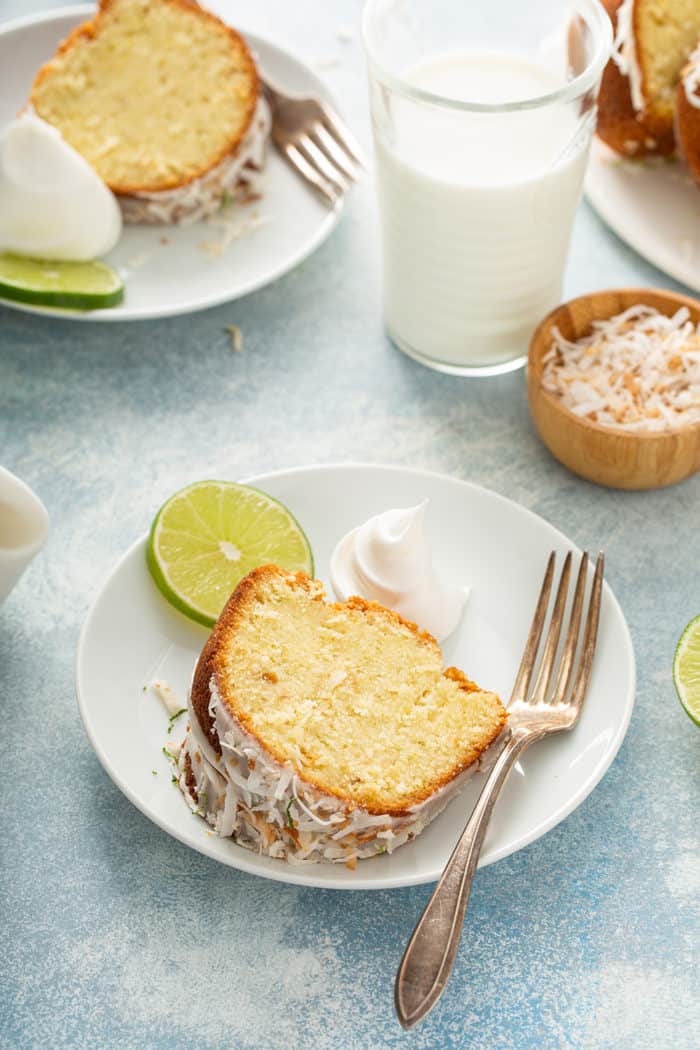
x,y
132,636
162,280
653,205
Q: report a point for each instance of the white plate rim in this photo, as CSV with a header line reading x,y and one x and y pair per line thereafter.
x,y
241,859
627,227
146,313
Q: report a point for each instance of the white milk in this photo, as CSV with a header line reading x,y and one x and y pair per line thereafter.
x,y
476,209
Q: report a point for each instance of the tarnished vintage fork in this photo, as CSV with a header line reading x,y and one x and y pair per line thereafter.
x,y
553,704
315,142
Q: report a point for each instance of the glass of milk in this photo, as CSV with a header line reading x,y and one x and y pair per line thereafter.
x,y
483,112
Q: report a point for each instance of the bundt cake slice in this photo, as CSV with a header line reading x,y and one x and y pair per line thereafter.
x,y
636,106
163,100
324,731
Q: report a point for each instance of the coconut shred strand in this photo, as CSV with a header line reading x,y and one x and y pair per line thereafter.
x,y
639,370
624,54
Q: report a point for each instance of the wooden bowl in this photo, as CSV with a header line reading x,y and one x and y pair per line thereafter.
x,y
605,455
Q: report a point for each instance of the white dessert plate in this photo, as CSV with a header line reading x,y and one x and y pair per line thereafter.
x,y
653,205
132,636
170,270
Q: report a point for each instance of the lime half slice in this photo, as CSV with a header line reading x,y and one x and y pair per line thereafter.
x,y
73,285
686,669
210,535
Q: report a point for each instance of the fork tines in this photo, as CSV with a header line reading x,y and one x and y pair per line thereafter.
x,y
325,159
567,688
316,143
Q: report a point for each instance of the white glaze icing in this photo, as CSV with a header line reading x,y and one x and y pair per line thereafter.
x,y
269,808
624,54
691,79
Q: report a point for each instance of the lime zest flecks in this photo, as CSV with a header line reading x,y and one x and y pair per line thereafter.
x,y
174,718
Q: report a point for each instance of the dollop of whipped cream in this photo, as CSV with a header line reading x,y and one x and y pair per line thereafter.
x,y
388,560
53,205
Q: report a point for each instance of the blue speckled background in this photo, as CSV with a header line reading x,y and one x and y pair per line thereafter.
x,y
114,934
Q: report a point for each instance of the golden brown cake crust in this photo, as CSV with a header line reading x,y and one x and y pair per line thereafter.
x,y
619,125
212,663
88,30
206,665
200,694
688,129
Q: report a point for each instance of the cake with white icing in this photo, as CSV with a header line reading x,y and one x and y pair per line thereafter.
x,y
164,101
638,93
326,731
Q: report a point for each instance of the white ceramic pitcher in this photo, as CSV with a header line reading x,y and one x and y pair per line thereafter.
x,y
24,527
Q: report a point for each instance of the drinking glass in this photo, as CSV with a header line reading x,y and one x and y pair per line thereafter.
x,y
483,113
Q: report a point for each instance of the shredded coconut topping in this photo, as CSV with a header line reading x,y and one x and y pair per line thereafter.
x,y
638,371
267,807
691,79
624,54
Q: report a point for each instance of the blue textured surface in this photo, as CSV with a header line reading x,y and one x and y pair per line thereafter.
x,y
114,934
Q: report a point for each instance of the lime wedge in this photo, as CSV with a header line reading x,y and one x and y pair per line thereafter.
x,y
46,282
210,535
686,669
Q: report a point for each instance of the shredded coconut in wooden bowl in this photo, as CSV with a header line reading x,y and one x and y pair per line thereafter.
x,y
637,371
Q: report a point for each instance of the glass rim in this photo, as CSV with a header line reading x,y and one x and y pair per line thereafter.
x,y
598,20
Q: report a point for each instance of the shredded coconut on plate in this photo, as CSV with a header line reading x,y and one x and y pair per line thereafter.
x,y
234,228
164,692
639,370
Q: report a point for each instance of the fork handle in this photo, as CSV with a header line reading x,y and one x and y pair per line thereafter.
x,y
427,962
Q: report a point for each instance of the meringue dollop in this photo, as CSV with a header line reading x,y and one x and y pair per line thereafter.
x,y
388,560
53,205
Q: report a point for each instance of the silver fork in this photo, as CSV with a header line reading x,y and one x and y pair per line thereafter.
x,y
315,142
554,703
